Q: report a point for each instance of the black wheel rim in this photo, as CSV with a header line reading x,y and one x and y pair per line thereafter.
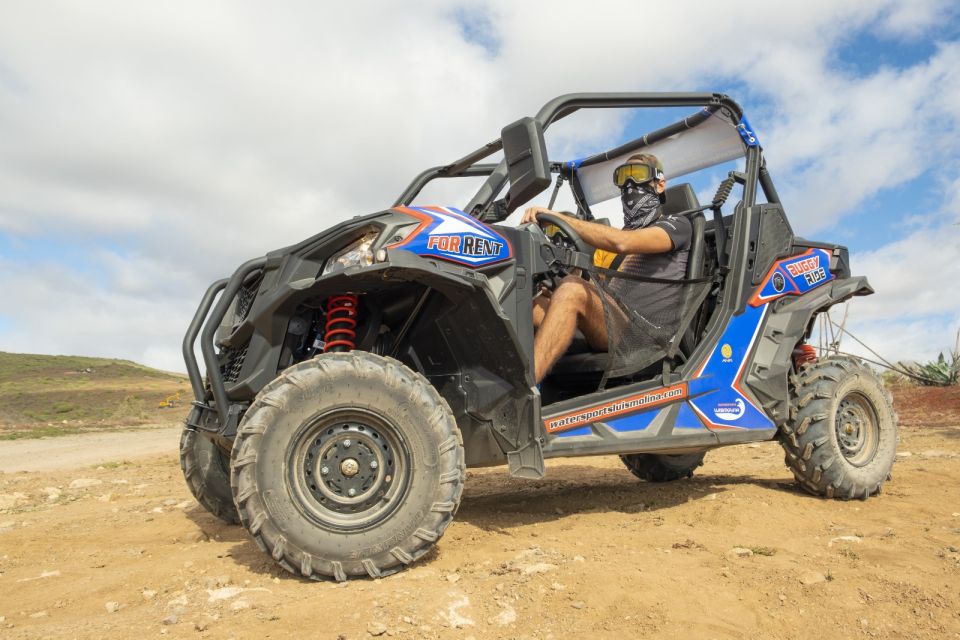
x,y
857,429
348,469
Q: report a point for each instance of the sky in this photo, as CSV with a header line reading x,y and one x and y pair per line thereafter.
x,y
147,149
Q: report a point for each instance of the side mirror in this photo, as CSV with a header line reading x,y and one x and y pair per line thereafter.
x,y
527,165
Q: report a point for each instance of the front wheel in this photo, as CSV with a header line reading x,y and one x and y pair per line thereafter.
x,y
206,470
841,440
346,465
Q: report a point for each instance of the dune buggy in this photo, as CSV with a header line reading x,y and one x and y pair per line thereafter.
x,y
352,378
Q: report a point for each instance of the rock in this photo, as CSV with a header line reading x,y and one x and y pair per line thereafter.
x,y
148,594
83,483
687,544
578,605
213,582
738,552
201,625
453,577
183,505
904,454
579,559
850,539
935,453
537,567
376,628
171,619
556,586
505,617
12,500
224,593
239,605
107,497
39,614
52,493
112,607
808,578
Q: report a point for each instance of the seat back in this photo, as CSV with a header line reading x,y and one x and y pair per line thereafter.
x,y
680,198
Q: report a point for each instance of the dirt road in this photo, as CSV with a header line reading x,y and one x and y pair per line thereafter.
x,y
70,452
589,552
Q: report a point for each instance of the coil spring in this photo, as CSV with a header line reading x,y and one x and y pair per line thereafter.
x,y
340,329
804,354
723,192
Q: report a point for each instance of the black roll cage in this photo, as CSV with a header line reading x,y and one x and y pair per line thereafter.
x,y
565,105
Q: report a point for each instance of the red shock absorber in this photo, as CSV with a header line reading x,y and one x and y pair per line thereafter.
x,y
804,354
340,329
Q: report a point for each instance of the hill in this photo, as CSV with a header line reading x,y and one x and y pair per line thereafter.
x,y
55,395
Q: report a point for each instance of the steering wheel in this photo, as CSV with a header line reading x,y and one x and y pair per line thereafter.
x,y
570,237
566,237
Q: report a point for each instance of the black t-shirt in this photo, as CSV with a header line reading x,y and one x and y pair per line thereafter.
x,y
657,301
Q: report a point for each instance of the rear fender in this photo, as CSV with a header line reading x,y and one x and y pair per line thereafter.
x,y
788,323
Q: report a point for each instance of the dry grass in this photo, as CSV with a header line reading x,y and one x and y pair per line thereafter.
x,y
43,396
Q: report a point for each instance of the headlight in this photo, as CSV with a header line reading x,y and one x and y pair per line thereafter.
x,y
358,254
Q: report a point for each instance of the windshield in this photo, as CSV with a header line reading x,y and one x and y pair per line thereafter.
x,y
715,141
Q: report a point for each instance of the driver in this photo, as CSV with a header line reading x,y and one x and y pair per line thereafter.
x,y
655,246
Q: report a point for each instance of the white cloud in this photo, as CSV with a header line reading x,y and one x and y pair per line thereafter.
x,y
915,312
197,135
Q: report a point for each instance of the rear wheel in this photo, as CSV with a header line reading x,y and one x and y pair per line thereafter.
x,y
662,467
841,440
207,472
346,465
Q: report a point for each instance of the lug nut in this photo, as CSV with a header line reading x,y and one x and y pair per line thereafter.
x,y
347,443
324,470
373,464
351,492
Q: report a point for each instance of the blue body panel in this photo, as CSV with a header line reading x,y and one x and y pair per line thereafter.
x,y
714,397
450,234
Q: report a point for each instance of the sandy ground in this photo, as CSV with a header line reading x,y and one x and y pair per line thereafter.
x,y
123,551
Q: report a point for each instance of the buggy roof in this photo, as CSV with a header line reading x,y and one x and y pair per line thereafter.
x,y
706,138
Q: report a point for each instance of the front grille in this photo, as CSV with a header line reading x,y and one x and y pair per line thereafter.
x,y
245,297
231,359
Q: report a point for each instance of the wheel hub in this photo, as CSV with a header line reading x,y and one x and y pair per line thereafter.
x,y
857,429
349,467
349,472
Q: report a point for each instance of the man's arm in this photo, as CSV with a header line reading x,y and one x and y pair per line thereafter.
x,y
649,240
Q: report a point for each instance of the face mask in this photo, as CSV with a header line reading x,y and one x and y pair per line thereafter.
x,y
640,205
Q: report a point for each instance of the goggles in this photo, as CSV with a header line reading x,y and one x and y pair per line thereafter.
x,y
637,172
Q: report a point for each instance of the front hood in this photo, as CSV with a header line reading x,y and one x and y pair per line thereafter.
x,y
450,234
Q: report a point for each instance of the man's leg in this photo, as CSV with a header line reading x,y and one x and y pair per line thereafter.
x,y
574,304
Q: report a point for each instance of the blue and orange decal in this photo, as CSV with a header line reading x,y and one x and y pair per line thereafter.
x,y
450,234
604,411
717,394
794,276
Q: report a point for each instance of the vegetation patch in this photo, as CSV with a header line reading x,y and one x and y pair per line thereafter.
x,y
44,396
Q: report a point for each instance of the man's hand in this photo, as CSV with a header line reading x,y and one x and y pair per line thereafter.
x,y
530,215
